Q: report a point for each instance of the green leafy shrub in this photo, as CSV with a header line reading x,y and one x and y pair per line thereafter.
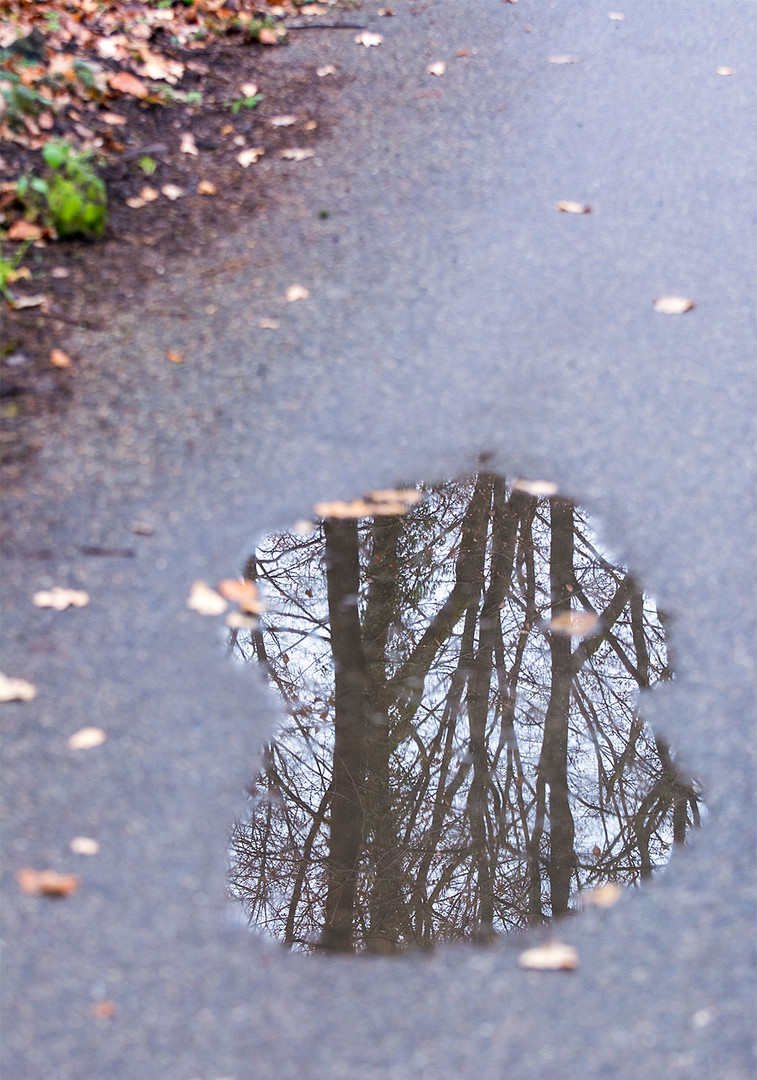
x,y
73,198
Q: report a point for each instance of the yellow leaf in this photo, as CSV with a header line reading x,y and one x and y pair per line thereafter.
x,y
87,738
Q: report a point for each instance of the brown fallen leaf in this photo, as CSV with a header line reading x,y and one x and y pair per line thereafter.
x,y
250,156
60,272
86,738
537,488
385,12
126,83
60,598
569,207
437,68
324,70
673,305
368,39
268,36
297,292
574,623
283,121
205,187
248,89
60,359
297,153
172,191
205,601
21,302
14,689
269,324
174,357
553,956
160,67
604,896
188,144
84,845
103,1010
24,230
46,882
242,592
114,119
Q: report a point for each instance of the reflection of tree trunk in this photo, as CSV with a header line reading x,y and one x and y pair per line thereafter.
x,y
553,761
346,834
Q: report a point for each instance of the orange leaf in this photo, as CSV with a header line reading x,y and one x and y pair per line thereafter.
x,y
24,230
126,83
60,359
46,882
245,593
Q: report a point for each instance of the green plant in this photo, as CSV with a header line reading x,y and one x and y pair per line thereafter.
x,y
73,198
9,272
245,103
148,165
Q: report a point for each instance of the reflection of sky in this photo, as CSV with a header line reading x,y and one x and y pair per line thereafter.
x,y
602,717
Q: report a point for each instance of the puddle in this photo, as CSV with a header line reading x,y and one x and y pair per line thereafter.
x,y
462,755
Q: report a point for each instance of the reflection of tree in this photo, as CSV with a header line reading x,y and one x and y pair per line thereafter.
x,y
452,767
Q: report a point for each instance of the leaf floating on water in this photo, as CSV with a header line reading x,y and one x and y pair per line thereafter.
x,y
574,623
554,956
205,601
368,39
84,845
604,896
673,305
297,153
46,882
377,503
87,738
537,488
236,620
60,598
297,292
13,689
436,69
569,207
242,592
250,156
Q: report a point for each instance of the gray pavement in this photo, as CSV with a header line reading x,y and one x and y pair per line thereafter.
x,y
452,312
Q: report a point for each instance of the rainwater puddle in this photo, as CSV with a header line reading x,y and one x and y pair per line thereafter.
x,y
462,757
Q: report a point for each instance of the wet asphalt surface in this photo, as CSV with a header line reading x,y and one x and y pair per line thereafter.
x,y
453,312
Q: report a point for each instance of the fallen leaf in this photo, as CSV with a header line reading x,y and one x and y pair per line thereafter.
x,y
535,487
376,504
618,16
161,67
142,528
267,36
206,601
269,324
604,896
103,1010
297,153
114,119
174,357
172,191
13,689
135,202
673,305
86,738
46,121
60,359
574,623
24,230
60,598
21,302
84,845
724,71
563,58
250,156
437,68
242,592
304,526
126,83
368,40
205,187
248,89
149,194
569,207
385,12
46,882
463,52
188,144
310,125
60,272
283,121
324,70
235,620
553,956
297,292
227,129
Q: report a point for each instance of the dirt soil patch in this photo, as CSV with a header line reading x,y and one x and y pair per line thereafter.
x,y
181,164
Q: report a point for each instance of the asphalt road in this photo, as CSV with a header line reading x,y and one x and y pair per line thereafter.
x,y
453,312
